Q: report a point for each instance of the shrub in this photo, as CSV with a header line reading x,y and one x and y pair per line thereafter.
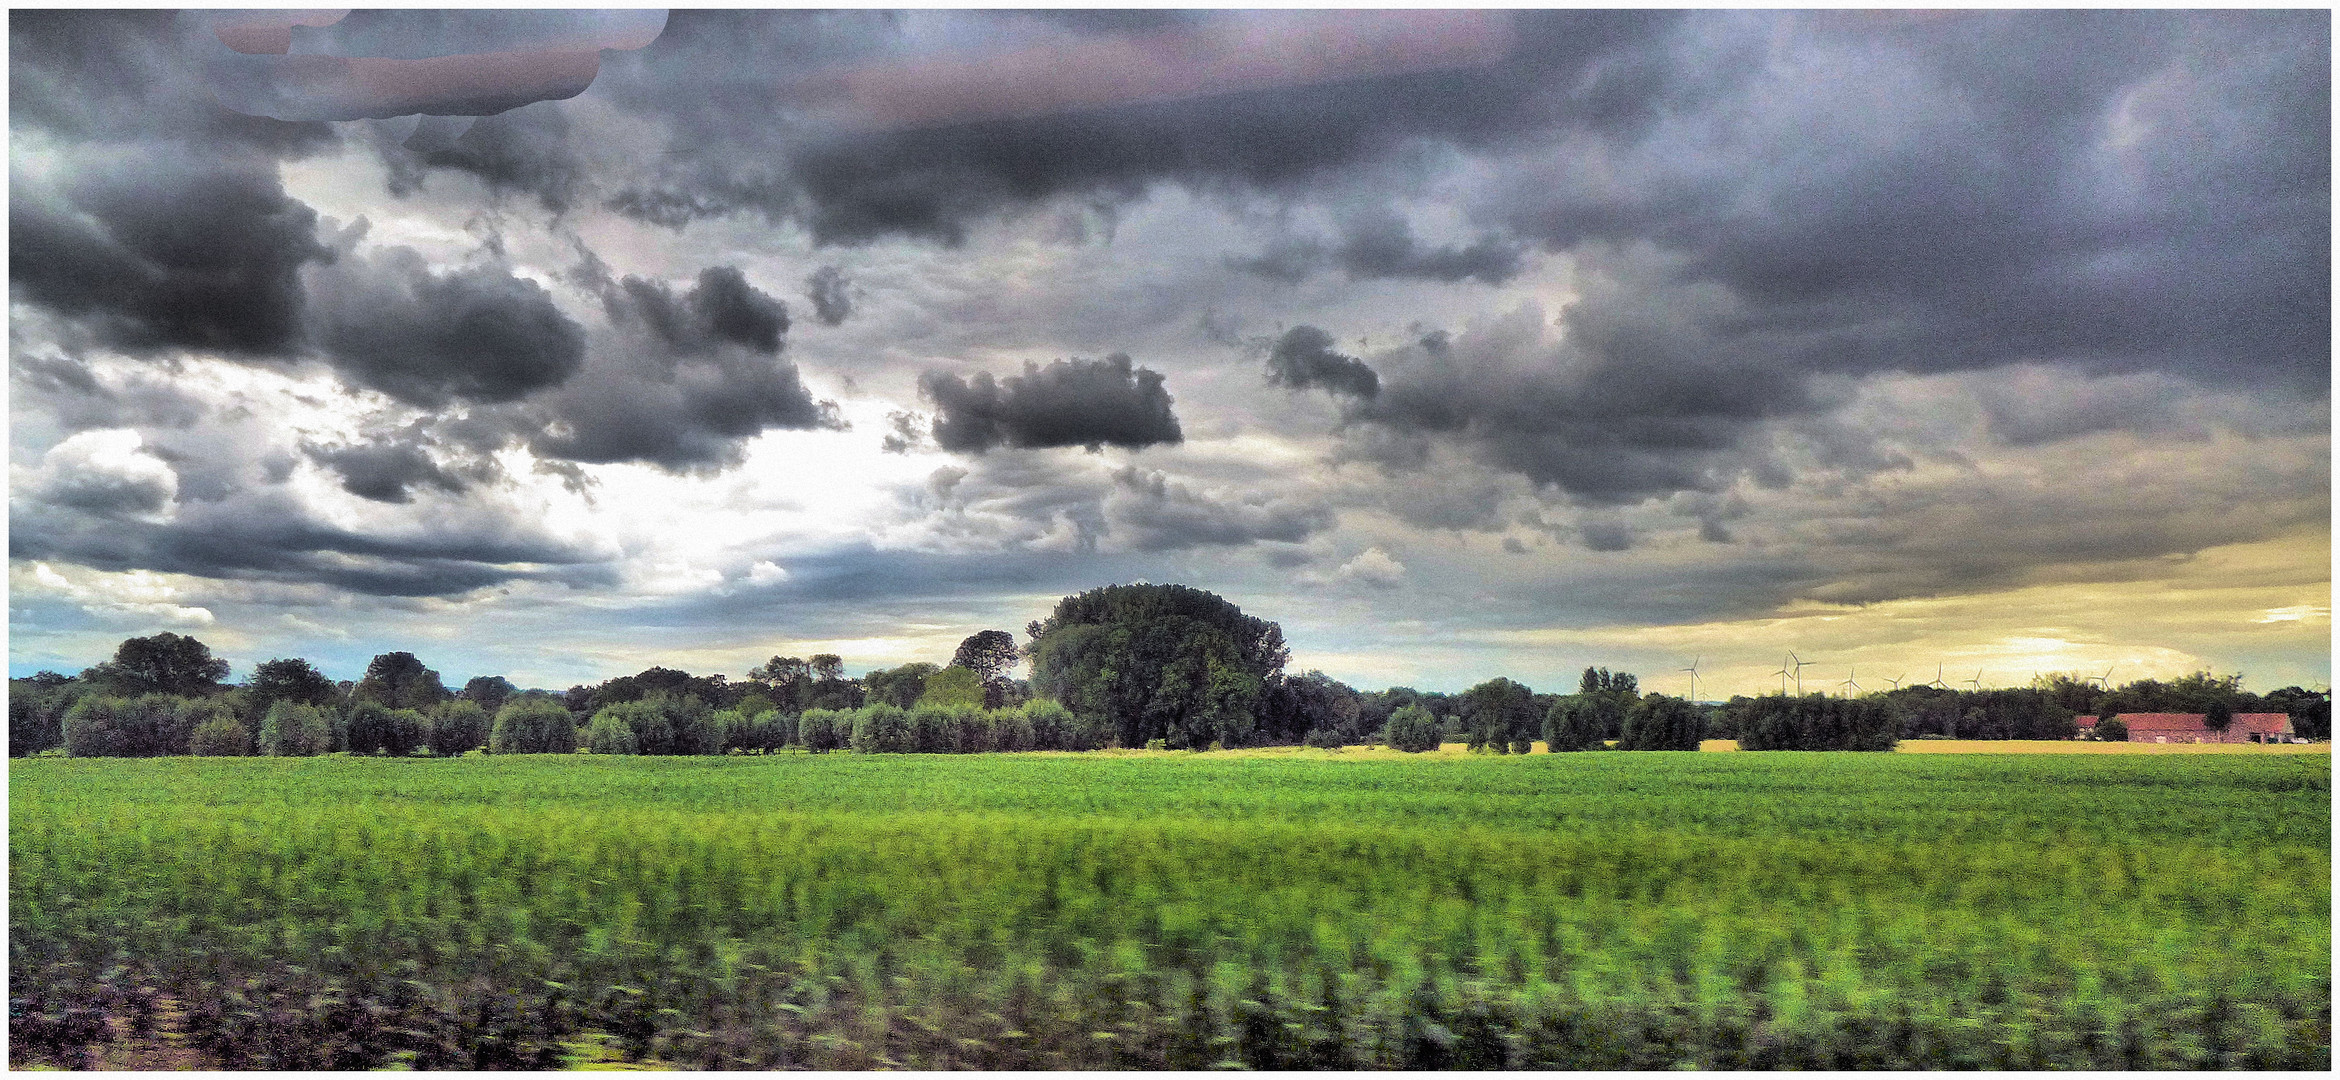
x,y
367,727
881,729
1574,723
773,730
459,726
2111,730
533,726
1325,739
292,729
1157,744
934,729
665,724
1815,722
611,731
823,730
1011,731
1412,729
221,736
1052,725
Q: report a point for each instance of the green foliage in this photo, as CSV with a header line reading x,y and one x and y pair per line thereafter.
x,y
36,715
1411,728
165,663
399,681
1814,722
2112,730
1576,721
98,726
953,686
458,727
220,736
292,729
823,730
1616,911
289,679
151,725
533,726
1659,722
1304,703
881,729
992,655
489,692
899,687
1157,662
611,731
1324,739
1500,716
1055,728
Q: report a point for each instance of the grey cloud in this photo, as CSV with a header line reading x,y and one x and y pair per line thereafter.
x,y
166,252
1606,535
2031,407
127,76
1304,358
1379,244
268,536
1076,402
830,294
721,309
1149,512
526,151
427,338
385,471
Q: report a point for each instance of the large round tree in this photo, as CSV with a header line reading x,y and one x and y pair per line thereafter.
x,y
1158,662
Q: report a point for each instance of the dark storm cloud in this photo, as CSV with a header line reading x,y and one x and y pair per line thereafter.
x,y
830,294
1382,245
687,378
427,338
269,537
722,308
159,250
1076,402
930,181
1304,358
386,472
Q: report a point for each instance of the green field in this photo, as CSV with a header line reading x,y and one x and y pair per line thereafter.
x,y
1056,911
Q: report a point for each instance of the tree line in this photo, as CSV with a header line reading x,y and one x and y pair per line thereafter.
x,y
1164,666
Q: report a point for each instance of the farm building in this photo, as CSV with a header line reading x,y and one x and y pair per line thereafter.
x,y
2164,727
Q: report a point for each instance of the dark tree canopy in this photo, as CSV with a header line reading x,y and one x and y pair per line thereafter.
x,y
489,692
400,681
1501,716
166,663
290,679
1158,662
1659,722
992,655
900,687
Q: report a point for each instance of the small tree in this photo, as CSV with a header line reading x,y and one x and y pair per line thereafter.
x,y
458,727
1574,723
533,726
1053,726
489,692
823,730
1659,722
611,731
1501,715
1011,731
881,729
97,726
2112,730
292,729
1324,739
289,679
1412,729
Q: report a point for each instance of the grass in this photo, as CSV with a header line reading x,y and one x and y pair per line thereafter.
x,y
1300,908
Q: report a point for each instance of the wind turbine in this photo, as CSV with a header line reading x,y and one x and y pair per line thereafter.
x,y
1938,683
1975,684
1801,664
1783,676
1896,681
1850,681
2104,681
1693,670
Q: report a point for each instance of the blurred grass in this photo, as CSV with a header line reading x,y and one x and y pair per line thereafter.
x,y
1308,909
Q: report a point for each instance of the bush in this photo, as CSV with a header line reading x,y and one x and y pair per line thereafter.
x,y
1659,722
1815,722
221,736
292,729
1412,729
881,729
98,726
366,727
823,730
459,726
1325,739
1052,725
934,729
2111,730
1574,723
533,726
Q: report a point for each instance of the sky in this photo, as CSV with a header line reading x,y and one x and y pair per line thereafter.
x,y
1460,343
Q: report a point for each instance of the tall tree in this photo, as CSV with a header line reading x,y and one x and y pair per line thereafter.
x,y
398,680
489,692
992,655
165,663
289,679
1501,715
1157,662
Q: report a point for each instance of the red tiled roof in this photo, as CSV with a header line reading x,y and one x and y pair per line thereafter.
x,y
2086,721
2191,723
